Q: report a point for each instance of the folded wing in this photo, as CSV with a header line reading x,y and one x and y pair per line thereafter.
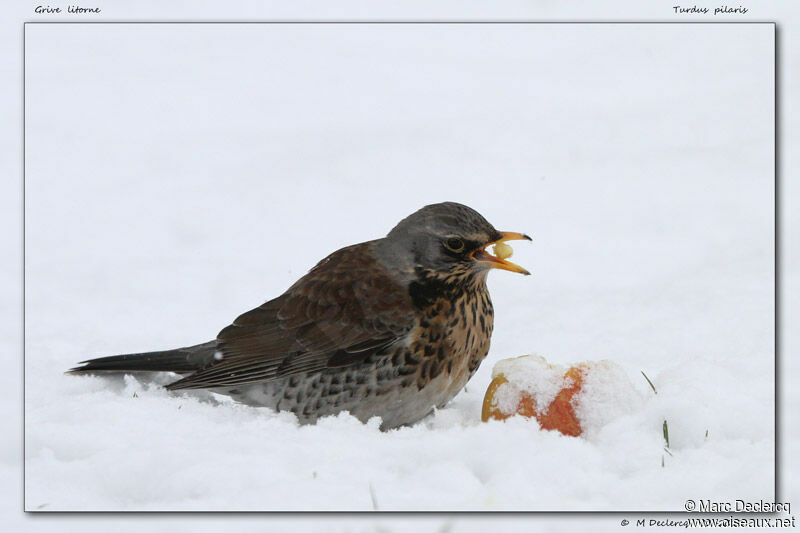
x,y
344,310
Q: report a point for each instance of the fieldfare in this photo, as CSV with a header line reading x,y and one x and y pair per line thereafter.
x,y
393,327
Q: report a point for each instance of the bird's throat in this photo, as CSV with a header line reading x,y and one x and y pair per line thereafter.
x,y
430,286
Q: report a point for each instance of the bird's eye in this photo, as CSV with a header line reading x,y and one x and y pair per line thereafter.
x,y
454,244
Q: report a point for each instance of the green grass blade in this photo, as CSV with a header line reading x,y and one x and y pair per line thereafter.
x,y
649,382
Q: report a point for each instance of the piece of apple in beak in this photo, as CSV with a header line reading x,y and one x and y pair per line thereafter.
x,y
503,251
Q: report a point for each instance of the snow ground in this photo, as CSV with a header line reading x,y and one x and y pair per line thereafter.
x,y
179,175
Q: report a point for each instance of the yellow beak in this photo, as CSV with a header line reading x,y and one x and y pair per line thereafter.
x,y
484,256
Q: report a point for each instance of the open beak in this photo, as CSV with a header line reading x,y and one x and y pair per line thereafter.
x,y
485,257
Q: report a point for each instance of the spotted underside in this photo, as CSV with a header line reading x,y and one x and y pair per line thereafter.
x,y
441,353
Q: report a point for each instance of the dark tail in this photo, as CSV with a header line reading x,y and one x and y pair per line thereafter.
x,y
181,361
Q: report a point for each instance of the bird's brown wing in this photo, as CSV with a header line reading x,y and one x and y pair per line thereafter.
x,y
345,309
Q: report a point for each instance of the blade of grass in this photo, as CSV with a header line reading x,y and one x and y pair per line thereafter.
x,y
373,497
649,382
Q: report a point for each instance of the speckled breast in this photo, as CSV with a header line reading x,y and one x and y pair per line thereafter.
x,y
404,383
453,339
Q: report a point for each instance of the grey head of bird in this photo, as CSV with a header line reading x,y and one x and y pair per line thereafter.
x,y
447,241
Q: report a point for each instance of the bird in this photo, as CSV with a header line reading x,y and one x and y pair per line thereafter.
x,y
392,327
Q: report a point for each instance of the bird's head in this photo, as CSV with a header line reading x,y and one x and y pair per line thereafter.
x,y
451,239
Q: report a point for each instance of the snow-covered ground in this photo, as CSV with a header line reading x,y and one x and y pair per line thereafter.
x,y
178,175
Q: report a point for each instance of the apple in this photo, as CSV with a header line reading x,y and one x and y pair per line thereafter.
x,y
504,399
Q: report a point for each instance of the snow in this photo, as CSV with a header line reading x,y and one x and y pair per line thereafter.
x,y
606,394
528,374
180,175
